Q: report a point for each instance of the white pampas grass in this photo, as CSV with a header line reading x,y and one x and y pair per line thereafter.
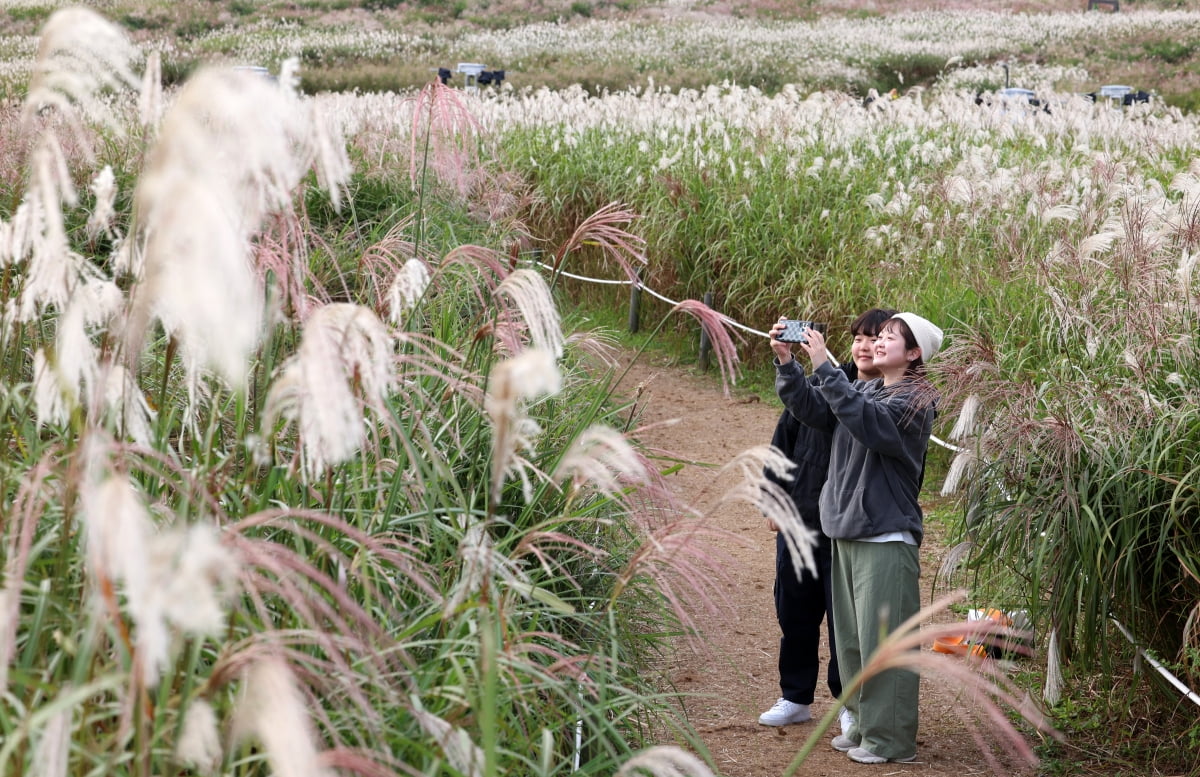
x,y
273,710
53,397
224,158
1187,267
407,288
232,149
53,747
117,527
664,761
772,500
192,576
529,292
532,374
150,98
344,346
1052,691
965,425
602,457
1097,243
105,190
178,579
199,745
53,269
960,467
125,404
464,755
80,54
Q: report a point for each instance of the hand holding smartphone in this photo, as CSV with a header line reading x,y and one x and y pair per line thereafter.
x,y
793,330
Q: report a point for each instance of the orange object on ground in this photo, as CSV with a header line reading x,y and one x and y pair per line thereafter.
x,y
955,646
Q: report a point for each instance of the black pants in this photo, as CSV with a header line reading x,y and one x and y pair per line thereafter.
x,y
800,606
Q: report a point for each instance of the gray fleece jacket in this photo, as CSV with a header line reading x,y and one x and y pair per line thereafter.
x,y
877,462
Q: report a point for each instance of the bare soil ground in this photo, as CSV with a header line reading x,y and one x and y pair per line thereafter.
x,y
731,677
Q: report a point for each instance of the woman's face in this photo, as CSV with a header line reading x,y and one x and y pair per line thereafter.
x,y
891,353
863,354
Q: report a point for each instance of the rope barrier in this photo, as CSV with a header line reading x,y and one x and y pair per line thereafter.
x,y
1179,685
736,324
1162,670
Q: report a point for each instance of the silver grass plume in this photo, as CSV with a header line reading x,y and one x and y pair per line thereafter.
x,y
960,466
664,761
233,148
965,425
407,287
603,458
118,528
529,292
80,54
773,501
61,378
105,190
1052,691
176,580
52,755
150,98
125,404
343,345
465,756
531,374
954,559
273,710
53,272
199,745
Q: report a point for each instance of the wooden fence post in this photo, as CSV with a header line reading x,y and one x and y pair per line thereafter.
x,y
705,344
635,300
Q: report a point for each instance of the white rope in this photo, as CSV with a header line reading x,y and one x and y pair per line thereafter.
x,y
566,274
1162,670
728,320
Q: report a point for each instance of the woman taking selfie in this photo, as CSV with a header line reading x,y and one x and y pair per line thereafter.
x,y
869,508
804,597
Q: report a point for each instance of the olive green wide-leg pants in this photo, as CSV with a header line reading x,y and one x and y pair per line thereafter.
x,y
875,589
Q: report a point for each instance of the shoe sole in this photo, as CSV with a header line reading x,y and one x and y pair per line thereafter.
x,y
871,758
762,722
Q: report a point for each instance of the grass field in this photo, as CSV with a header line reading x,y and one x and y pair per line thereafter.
x,y
289,412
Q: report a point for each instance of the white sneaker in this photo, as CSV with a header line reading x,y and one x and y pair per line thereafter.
x,y
785,712
846,719
843,744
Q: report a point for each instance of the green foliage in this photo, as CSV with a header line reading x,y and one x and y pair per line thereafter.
x,y
1113,727
904,72
195,28
33,14
1188,102
139,22
242,7
1171,51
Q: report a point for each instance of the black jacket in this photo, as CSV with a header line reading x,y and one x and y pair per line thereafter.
x,y
809,448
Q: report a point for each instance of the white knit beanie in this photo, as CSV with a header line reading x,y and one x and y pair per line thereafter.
x,y
929,336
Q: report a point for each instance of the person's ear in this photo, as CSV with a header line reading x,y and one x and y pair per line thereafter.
x,y
912,354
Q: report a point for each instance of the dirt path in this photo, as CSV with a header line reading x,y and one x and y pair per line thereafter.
x,y
732,679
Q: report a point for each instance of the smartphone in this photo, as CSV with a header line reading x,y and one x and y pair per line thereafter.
x,y
793,330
